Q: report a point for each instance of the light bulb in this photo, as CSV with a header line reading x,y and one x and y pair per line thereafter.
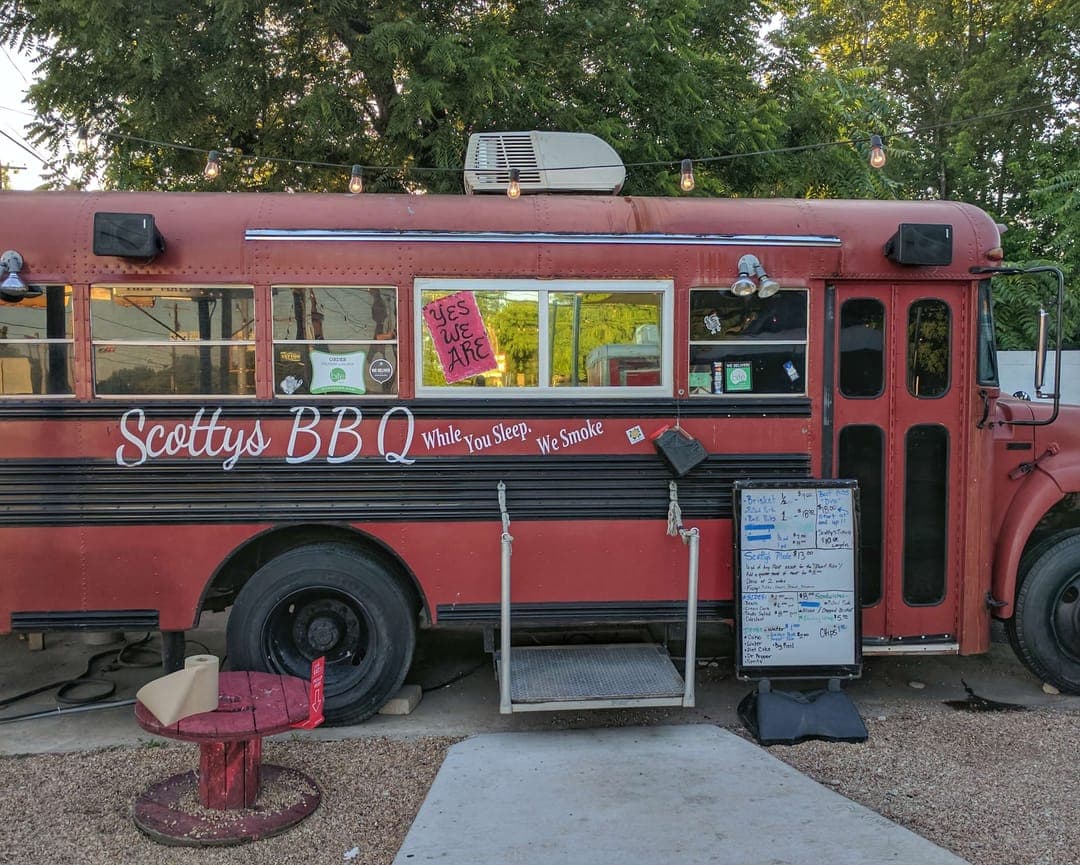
x,y
877,152
767,287
356,182
513,190
686,178
743,286
213,165
82,145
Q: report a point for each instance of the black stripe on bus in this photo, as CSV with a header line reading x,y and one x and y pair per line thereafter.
x,y
85,620
80,492
450,409
582,613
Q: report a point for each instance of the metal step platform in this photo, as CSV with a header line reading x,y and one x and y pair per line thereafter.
x,y
623,675
545,678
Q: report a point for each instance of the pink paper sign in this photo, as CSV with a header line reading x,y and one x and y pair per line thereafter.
x,y
457,330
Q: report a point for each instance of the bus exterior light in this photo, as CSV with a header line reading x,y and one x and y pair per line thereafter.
x,y
13,288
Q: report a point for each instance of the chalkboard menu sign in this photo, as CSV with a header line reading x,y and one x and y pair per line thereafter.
x,y
797,604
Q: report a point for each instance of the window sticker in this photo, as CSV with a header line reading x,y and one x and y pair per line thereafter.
x,y
337,373
381,370
457,329
737,377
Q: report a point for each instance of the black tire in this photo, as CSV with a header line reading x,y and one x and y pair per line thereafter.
x,y
1026,561
1045,627
332,600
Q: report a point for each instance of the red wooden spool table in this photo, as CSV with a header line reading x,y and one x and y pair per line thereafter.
x,y
231,774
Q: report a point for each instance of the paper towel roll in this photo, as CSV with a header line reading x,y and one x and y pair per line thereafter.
x,y
189,691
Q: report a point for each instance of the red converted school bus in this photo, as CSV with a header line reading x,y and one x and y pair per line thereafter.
x,y
232,400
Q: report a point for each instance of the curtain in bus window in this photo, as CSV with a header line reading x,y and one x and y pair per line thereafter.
x,y
36,357
862,348
335,340
861,456
929,338
926,497
747,345
173,340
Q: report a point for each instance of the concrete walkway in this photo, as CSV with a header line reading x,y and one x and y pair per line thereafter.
x,y
648,795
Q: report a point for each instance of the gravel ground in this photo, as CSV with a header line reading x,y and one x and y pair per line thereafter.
x,y
995,788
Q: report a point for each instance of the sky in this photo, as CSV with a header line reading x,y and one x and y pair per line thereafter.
x,y
15,76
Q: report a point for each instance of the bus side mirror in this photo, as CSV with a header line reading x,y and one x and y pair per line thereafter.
x,y
1040,351
127,235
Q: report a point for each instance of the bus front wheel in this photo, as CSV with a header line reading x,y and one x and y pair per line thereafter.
x,y
333,601
1045,627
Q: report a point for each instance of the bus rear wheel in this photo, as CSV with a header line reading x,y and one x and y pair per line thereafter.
x,y
1045,627
333,601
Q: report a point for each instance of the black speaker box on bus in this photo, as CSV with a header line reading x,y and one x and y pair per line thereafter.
x,y
127,235
920,243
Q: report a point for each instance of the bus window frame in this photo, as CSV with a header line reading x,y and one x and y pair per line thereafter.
x,y
543,287
95,343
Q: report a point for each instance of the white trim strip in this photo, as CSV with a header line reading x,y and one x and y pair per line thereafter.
x,y
416,236
911,649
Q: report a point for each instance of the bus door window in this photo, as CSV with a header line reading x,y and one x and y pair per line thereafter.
x,y
926,496
929,337
862,348
173,340
748,345
335,340
36,356
861,455
609,336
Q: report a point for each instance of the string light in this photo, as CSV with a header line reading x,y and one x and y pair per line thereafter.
x,y
686,178
513,189
213,165
356,181
82,145
877,152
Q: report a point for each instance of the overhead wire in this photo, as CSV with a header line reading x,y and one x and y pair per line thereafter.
x,y
232,154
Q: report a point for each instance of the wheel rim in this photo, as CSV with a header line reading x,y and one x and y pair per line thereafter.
x,y
320,622
1065,618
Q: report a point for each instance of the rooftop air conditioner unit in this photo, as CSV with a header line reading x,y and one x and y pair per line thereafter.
x,y
546,162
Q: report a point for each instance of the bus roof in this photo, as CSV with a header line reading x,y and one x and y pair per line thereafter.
x,y
53,230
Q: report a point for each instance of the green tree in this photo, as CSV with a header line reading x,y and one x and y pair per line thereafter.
x,y
396,84
943,62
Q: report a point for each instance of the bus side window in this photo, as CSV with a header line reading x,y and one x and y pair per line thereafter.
x,y
173,340
929,339
36,357
335,340
862,348
598,334
748,345
617,336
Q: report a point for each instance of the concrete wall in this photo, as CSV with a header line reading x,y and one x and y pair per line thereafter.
x,y
1017,372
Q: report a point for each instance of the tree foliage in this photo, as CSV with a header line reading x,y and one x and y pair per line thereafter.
x,y
393,84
